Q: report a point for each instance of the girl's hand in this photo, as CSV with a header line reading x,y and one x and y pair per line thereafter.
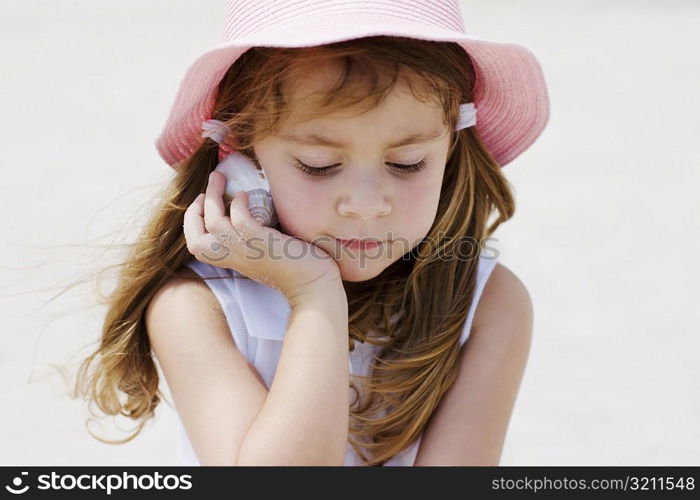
x,y
264,254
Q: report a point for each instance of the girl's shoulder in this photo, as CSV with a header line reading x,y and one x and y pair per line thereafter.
x,y
504,296
183,288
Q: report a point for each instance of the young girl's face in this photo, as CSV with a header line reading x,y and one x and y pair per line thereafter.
x,y
364,194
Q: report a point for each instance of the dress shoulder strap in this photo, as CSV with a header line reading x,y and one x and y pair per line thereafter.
x,y
485,266
227,295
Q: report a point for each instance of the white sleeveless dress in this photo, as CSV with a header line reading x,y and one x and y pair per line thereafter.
x,y
257,317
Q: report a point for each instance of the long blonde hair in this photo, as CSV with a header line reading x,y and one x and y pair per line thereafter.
x,y
417,359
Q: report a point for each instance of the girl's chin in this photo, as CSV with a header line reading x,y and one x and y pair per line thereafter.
x,y
360,270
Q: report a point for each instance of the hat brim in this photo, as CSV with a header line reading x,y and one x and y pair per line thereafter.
x,y
510,93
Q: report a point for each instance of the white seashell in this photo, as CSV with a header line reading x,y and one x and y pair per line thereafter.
x,y
242,174
261,207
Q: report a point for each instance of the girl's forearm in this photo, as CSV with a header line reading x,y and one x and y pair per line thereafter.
x,y
304,420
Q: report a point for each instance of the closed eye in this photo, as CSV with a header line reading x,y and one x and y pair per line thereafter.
x,y
321,171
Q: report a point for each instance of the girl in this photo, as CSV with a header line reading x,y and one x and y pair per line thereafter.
x,y
290,345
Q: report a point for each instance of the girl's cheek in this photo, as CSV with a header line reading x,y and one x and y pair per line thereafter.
x,y
298,206
415,197
417,207
301,196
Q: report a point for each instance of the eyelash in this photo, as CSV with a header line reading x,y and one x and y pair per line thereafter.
x,y
320,172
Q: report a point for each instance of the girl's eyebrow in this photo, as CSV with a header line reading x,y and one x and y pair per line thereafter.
x,y
311,139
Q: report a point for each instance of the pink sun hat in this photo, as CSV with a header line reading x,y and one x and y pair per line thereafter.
x,y
510,93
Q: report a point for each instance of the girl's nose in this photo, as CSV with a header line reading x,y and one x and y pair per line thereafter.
x,y
365,201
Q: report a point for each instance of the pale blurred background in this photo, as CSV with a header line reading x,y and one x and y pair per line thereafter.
x,y
605,237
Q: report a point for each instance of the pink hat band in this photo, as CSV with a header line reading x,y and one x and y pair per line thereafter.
x,y
510,92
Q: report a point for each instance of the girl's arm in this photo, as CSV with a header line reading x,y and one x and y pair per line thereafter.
x,y
229,415
304,420
469,425
304,417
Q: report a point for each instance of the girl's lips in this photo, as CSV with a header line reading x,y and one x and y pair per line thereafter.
x,y
360,244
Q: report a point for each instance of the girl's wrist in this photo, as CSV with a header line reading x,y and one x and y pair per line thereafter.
x,y
320,293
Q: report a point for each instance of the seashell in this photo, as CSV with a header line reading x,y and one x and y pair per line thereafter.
x,y
261,207
242,174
